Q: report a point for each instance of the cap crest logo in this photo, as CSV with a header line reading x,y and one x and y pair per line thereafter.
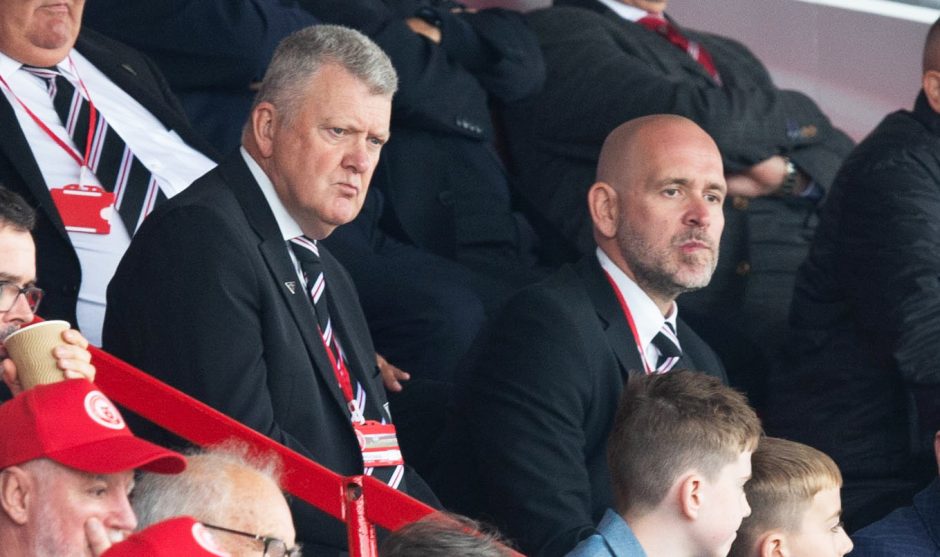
x,y
205,540
102,411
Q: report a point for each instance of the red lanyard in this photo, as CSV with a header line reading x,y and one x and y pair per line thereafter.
x,y
629,316
342,377
92,117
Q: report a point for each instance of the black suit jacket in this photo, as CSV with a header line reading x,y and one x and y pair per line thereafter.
x,y
57,264
208,300
528,441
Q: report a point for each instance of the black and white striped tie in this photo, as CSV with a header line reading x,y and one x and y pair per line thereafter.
x,y
667,343
136,192
308,254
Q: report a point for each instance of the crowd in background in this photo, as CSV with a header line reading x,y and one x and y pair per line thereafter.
x,y
472,253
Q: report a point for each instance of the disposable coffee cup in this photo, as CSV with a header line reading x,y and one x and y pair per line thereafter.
x,y
31,348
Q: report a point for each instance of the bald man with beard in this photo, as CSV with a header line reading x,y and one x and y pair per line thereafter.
x,y
533,415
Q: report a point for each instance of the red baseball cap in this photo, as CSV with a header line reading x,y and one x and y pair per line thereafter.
x,y
74,424
177,537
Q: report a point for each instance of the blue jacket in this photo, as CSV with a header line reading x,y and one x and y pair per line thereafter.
x,y
907,532
613,538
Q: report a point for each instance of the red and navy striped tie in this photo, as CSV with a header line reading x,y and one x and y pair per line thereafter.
x,y
308,254
667,343
136,192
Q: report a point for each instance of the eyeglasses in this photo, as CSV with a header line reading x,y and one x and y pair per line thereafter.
x,y
273,547
10,292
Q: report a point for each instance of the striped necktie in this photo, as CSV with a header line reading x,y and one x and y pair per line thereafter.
x,y
662,26
136,192
308,254
667,343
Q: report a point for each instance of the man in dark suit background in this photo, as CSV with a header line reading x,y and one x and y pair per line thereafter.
x,y
221,295
528,439
863,381
129,95
605,66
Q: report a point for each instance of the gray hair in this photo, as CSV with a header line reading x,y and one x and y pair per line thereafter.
x,y
302,53
444,535
203,490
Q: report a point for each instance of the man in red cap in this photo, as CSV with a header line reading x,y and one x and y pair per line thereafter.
x,y
67,462
182,536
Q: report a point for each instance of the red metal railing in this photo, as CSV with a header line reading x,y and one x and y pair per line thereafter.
x,y
359,501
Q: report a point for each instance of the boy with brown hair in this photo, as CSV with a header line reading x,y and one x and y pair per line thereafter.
x,y
795,505
679,455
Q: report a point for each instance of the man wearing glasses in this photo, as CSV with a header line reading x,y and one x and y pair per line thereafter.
x,y
20,297
232,493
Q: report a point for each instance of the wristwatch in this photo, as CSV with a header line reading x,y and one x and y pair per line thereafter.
x,y
429,15
791,180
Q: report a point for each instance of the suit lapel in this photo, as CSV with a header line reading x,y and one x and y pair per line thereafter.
x,y
136,79
273,250
616,330
16,149
126,74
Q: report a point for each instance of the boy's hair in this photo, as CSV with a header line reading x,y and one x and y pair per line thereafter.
x,y
785,476
668,424
444,535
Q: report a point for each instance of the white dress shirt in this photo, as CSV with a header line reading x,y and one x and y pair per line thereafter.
x,y
646,315
626,11
173,163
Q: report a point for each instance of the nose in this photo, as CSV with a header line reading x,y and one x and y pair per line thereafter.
x,y
357,158
698,212
747,507
121,516
847,545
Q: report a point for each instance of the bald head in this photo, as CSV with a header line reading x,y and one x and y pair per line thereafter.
x,y
222,488
656,205
932,48
628,149
930,81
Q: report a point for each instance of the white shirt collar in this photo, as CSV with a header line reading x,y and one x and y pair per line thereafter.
x,y
646,315
9,65
288,226
626,11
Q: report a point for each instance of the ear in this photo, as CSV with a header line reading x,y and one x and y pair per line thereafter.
x,y
263,127
16,493
931,84
604,205
772,544
691,495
